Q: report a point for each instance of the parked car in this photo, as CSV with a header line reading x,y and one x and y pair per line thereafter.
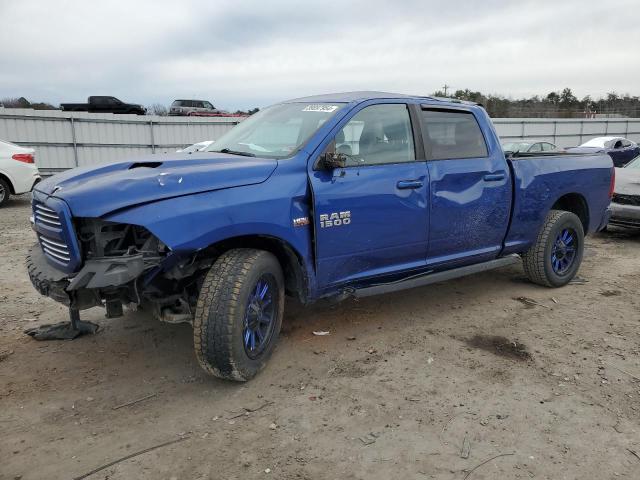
x,y
196,147
102,104
18,171
193,107
529,146
625,204
333,196
620,149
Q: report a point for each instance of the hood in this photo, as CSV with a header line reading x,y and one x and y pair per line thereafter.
x,y
98,190
627,181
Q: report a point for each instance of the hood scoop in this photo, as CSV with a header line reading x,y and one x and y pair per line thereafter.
x,y
145,165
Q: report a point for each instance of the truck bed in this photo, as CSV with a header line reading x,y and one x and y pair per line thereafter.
x,y
540,179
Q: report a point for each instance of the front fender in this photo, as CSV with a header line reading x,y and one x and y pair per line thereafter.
x,y
192,223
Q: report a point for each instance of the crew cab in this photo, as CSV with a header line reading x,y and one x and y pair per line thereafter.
x,y
332,196
104,104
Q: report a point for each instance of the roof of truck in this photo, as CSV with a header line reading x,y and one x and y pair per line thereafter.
x,y
366,95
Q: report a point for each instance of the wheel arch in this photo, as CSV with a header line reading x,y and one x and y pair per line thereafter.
x,y
293,268
12,189
576,204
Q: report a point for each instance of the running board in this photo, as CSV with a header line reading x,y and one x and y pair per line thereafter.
x,y
429,278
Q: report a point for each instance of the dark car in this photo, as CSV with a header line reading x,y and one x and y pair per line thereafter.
x,y
620,149
529,146
193,108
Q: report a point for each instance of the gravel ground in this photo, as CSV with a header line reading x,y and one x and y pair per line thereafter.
x,y
426,383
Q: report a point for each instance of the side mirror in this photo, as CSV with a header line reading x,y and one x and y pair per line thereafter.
x,y
332,160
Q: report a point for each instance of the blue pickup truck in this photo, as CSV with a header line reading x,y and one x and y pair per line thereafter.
x,y
333,196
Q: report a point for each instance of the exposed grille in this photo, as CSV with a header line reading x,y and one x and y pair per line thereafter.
x,y
46,216
55,249
626,199
51,230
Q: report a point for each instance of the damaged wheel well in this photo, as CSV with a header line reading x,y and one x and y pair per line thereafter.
x,y
290,261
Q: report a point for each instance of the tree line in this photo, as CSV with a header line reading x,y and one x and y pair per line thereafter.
x,y
561,104
155,109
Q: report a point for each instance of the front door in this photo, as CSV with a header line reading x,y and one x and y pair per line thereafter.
x,y
371,217
470,189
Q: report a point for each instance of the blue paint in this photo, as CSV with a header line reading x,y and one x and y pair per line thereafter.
x,y
405,218
563,252
259,316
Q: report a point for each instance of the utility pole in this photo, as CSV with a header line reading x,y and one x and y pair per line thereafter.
x,y
445,87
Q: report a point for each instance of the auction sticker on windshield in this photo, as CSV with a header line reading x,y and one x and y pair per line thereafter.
x,y
320,108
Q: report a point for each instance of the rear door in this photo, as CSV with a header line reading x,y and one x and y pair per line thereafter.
x,y
470,188
371,217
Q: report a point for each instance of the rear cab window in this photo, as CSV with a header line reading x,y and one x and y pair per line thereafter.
x,y
450,134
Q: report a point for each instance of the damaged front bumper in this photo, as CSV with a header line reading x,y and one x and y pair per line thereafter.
x,y
97,281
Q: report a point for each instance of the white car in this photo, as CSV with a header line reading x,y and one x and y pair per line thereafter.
x,y
18,171
196,147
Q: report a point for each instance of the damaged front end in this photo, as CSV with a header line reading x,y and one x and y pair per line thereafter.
x,y
88,262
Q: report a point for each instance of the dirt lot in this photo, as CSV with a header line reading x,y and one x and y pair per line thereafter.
x,y
405,386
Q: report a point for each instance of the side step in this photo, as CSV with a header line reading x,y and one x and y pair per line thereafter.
x,y
429,278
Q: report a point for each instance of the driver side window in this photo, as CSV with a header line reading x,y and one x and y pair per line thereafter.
x,y
377,135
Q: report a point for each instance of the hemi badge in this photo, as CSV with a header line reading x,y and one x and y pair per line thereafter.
x,y
300,222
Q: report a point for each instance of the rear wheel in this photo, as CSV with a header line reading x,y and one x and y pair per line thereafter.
x,y
239,314
555,257
5,192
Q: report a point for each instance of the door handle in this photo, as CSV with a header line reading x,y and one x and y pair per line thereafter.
x,y
494,177
407,184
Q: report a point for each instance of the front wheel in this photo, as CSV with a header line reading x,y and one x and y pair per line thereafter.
x,y
555,257
239,314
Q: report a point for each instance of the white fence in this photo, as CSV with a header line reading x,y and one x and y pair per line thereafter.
x,y
567,132
67,139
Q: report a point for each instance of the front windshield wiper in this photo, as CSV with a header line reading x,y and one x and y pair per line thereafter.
x,y
235,152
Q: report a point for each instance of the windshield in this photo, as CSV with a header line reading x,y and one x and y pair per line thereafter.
x,y
635,163
515,146
277,131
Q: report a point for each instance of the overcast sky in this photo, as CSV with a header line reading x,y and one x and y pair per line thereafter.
x,y
241,54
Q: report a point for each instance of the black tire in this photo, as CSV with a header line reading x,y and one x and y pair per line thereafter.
x,y
537,261
219,324
5,192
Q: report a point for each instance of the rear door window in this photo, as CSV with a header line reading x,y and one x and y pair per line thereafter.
x,y
452,134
